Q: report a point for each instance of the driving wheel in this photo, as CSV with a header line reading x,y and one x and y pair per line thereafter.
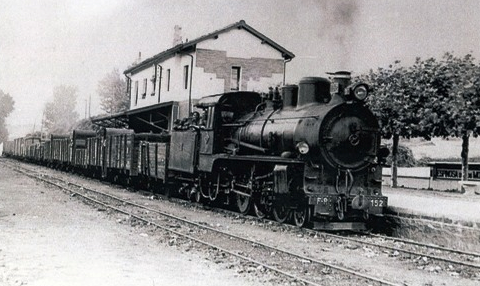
x,y
259,210
280,212
243,204
301,215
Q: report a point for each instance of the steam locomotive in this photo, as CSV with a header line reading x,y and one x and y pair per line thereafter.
x,y
310,153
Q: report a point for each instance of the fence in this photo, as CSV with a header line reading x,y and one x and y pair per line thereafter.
x,y
438,176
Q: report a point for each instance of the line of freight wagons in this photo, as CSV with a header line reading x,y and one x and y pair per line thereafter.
x,y
110,153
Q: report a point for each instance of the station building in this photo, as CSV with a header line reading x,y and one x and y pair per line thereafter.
x,y
235,58
166,86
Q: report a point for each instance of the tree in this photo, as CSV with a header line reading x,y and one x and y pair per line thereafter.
x,y
6,107
392,103
452,86
85,124
430,98
405,157
59,114
111,89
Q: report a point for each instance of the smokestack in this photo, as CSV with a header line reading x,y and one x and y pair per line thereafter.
x,y
177,35
313,90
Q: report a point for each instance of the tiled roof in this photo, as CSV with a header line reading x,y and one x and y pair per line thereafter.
x,y
191,44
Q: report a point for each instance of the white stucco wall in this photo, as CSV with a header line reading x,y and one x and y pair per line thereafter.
x,y
206,83
237,43
139,77
241,44
176,90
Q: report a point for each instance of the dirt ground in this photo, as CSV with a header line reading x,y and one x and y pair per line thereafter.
x,y
48,238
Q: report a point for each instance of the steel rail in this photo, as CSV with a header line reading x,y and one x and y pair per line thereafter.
x,y
299,256
168,229
336,267
425,219
476,266
432,246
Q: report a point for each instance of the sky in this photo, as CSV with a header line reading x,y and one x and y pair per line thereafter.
x,y
46,43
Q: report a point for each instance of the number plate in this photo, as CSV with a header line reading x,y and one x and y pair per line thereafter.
x,y
323,200
377,202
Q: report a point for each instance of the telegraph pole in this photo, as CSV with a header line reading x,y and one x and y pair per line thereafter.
x,y
89,105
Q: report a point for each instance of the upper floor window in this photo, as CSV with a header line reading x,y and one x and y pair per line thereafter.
x,y
136,92
168,79
235,78
144,94
129,87
185,76
154,81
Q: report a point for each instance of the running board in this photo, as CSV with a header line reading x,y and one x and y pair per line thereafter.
x,y
317,225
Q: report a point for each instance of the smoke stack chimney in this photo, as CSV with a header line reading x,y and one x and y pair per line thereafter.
x,y
177,35
313,90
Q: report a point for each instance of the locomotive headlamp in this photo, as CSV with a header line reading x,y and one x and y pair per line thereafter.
x,y
360,92
357,91
303,148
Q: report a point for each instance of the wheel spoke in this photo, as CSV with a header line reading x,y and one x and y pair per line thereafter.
x,y
243,204
259,209
280,213
198,196
301,216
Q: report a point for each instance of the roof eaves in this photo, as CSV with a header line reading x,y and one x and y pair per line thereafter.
x,y
154,59
286,54
242,24
178,48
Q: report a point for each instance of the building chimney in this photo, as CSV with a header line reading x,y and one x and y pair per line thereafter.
x,y
177,35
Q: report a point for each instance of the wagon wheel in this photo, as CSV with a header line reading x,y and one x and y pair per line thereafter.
x,y
280,212
165,189
212,193
301,215
197,196
243,204
187,192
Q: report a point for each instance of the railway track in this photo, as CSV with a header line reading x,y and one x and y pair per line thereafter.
x,y
463,262
297,267
467,261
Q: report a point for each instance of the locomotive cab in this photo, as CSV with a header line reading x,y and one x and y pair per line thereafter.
x,y
222,113
197,145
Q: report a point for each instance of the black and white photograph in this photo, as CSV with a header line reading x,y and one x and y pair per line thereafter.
x,y
239,142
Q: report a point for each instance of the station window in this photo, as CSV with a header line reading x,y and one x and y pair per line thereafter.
x,y
160,71
154,82
235,78
144,94
136,92
185,76
168,79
